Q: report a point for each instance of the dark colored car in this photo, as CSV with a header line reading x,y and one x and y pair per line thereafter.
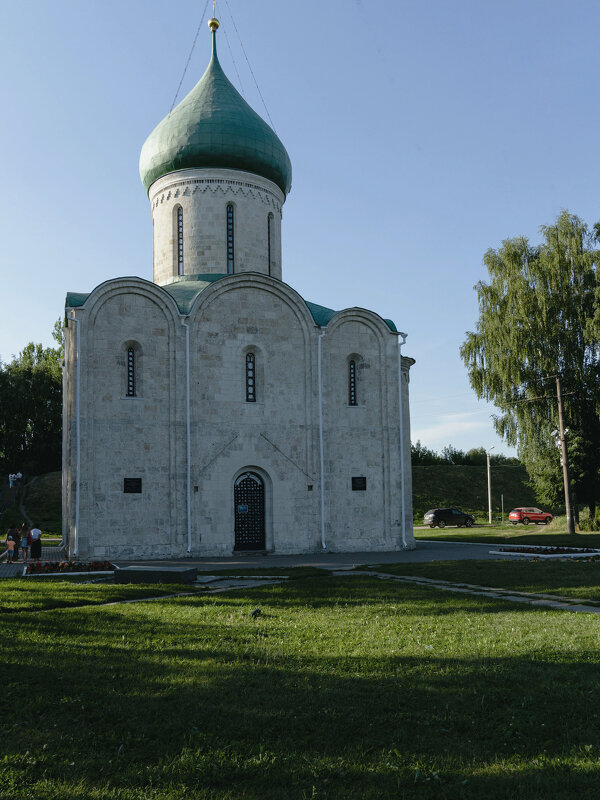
x,y
527,515
448,516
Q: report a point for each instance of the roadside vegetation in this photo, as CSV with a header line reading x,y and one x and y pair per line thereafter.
x,y
341,688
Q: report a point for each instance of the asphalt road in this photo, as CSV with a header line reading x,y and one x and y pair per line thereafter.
x,y
426,551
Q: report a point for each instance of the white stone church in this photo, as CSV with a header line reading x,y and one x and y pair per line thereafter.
x,y
215,410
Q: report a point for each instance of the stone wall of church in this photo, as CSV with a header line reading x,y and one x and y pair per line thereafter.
x,y
273,436
129,441
203,195
144,437
361,441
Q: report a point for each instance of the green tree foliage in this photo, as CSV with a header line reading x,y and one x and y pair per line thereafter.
x,y
31,409
422,456
535,322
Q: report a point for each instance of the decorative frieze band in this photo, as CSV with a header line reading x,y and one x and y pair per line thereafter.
x,y
214,185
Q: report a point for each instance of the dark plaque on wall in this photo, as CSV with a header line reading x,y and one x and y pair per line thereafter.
x,y
133,485
359,484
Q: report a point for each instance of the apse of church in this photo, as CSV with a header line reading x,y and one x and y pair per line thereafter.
x,y
214,409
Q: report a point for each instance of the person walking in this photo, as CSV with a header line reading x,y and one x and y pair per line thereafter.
x,y
24,544
36,543
12,543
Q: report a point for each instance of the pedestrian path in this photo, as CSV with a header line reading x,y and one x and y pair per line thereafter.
x,y
11,570
52,554
223,583
553,601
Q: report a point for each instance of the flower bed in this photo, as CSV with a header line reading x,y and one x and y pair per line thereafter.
x,y
546,550
45,567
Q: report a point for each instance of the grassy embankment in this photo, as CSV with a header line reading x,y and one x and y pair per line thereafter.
x,y
342,688
41,499
466,488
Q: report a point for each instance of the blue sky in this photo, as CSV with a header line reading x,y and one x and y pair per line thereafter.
x,y
420,134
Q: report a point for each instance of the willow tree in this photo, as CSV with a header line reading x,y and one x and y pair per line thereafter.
x,y
534,324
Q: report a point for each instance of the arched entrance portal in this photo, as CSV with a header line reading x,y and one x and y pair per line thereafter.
x,y
249,502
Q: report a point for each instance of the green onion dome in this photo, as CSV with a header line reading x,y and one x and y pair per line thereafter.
x,y
215,127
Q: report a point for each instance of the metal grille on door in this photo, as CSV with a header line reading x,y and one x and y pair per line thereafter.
x,y
249,499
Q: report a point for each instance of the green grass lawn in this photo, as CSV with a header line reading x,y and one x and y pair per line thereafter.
x,y
342,688
580,579
43,594
554,534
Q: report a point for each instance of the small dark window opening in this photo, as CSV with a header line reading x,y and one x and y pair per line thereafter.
x,y
230,252
250,378
359,484
352,396
269,218
131,372
132,485
180,241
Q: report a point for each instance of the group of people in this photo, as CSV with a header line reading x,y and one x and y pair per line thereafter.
x,y
27,541
14,478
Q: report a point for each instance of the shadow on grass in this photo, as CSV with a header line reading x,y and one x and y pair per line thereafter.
x,y
192,698
357,592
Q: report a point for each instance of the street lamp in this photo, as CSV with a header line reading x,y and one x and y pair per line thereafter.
x,y
489,476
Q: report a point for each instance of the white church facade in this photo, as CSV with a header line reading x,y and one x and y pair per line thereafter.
x,y
214,410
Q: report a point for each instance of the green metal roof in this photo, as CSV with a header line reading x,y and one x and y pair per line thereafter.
x,y
215,127
186,288
75,299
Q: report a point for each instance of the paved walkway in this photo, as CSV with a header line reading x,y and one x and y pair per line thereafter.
x,y
12,570
426,551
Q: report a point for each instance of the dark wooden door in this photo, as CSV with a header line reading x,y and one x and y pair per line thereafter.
x,y
249,500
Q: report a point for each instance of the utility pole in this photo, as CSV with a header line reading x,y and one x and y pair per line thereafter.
x,y
489,477
564,459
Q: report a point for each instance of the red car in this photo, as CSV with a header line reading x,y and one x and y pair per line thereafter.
x,y
527,515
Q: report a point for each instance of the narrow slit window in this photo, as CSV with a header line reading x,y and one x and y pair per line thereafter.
x,y
180,240
352,396
131,372
250,378
230,251
269,229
